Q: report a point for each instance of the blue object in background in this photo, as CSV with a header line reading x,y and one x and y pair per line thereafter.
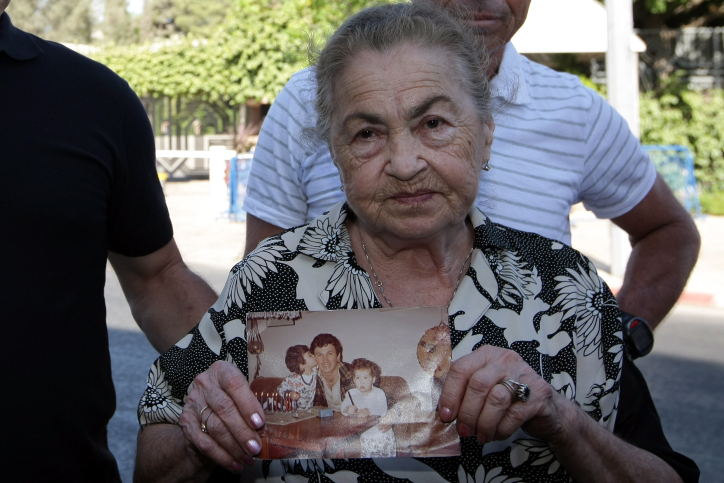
x,y
676,165
239,167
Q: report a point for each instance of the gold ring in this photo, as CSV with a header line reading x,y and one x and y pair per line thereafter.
x,y
203,424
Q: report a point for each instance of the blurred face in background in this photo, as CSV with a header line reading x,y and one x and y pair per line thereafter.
x,y
495,21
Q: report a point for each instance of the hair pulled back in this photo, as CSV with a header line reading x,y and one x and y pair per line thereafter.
x,y
380,29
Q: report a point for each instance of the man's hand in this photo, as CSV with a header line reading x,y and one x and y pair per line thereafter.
x,y
166,298
665,245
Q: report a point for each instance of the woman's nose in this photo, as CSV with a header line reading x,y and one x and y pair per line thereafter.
x,y
405,156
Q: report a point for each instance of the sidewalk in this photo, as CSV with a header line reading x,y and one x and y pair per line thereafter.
x,y
706,284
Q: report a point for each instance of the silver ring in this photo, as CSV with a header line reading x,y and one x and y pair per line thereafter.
x,y
521,392
203,424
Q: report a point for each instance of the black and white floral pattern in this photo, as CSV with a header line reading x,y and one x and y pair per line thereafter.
x,y
157,405
522,292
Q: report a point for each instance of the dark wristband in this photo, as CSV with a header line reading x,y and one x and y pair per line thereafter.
x,y
637,335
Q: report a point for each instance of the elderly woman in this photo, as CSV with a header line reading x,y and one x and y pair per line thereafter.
x,y
540,387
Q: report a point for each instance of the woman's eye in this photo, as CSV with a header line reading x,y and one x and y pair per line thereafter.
x,y
365,134
433,123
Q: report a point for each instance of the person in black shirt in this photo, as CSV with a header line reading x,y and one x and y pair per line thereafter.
x,y
78,186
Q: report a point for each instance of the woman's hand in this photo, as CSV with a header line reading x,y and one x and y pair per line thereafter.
x,y
351,409
231,418
294,395
484,407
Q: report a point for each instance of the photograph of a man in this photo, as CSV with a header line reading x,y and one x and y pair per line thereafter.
x,y
335,377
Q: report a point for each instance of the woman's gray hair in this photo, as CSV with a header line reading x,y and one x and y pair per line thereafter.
x,y
382,28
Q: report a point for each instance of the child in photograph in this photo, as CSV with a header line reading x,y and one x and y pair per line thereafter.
x,y
367,400
300,385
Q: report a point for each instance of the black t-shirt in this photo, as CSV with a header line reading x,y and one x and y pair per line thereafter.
x,y
77,178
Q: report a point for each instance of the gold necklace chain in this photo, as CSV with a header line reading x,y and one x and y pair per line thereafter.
x,y
378,282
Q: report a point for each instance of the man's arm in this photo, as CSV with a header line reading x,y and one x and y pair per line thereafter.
x,y
166,298
256,231
665,245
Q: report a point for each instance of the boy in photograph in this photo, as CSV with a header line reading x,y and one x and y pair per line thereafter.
x,y
300,385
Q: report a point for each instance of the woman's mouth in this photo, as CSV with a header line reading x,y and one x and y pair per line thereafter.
x,y
415,197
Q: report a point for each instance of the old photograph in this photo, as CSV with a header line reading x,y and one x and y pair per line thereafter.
x,y
351,383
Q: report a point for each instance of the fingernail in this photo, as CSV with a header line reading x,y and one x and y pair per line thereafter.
x,y
464,431
248,460
236,468
445,415
257,421
253,446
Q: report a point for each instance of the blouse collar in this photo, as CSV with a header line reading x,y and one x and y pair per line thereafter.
x,y
331,225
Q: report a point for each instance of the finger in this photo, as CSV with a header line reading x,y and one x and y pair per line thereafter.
x,y
233,381
229,396
456,384
522,412
495,408
476,398
205,443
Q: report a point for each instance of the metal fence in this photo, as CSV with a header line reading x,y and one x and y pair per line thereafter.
x,y
676,165
697,51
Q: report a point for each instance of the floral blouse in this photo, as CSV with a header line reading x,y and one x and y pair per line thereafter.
x,y
522,291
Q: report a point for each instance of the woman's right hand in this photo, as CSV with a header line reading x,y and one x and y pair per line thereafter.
x,y
232,418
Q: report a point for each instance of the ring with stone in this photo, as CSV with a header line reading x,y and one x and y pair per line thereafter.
x,y
521,392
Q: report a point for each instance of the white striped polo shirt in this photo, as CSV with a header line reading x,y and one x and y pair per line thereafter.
x,y
556,143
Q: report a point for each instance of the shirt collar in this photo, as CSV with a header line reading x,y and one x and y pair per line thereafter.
x,y
15,43
511,81
326,238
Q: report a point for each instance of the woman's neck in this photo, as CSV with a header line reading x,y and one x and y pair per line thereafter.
x,y
413,272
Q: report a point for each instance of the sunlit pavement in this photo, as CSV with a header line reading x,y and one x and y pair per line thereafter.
x,y
685,371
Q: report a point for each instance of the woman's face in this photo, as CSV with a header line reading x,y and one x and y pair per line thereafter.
x,y
408,141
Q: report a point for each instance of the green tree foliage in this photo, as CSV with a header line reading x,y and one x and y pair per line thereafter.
x,y
678,13
57,20
118,26
170,17
251,55
676,115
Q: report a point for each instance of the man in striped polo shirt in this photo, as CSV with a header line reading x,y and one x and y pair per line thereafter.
x,y
557,143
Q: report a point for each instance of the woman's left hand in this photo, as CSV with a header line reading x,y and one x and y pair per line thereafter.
x,y
484,407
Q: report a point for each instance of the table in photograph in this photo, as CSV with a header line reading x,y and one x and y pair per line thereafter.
x,y
329,437
338,436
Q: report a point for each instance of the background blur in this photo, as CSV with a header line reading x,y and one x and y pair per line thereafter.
x,y
208,70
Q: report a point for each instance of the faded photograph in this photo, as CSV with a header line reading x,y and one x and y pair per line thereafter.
x,y
351,384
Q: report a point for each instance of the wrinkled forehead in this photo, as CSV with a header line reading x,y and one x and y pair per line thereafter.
x,y
405,72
